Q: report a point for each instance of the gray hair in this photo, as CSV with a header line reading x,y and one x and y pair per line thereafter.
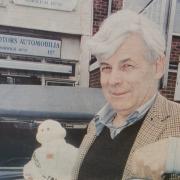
x,y
117,27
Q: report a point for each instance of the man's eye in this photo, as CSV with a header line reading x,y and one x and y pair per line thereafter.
x,y
105,69
127,67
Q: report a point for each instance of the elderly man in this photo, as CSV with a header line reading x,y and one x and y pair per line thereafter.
x,y
137,119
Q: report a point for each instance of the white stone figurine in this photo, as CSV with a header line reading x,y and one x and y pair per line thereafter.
x,y
54,159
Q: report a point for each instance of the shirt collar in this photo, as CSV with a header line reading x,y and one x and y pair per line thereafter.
x,y
105,116
147,105
141,111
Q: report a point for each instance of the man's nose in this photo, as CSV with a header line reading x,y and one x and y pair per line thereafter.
x,y
116,77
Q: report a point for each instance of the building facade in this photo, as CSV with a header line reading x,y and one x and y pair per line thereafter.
x,y
42,42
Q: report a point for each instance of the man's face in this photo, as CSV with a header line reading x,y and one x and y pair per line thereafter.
x,y
129,80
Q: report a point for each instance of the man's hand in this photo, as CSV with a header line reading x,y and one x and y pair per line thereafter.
x,y
150,160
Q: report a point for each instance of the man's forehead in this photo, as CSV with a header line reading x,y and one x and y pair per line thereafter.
x,y
120,60
133,44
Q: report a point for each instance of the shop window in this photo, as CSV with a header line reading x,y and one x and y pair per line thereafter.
x,y
21,80
156,10
59,83
176,18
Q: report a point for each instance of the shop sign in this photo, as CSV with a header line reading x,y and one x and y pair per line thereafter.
x,y
30,46
64,5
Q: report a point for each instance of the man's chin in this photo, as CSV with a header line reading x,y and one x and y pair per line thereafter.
x,y
121,107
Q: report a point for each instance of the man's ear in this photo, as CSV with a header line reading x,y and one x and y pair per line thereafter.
x,y
159,67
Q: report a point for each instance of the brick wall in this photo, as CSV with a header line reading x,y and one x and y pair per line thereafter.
x,y
170,90
95,78
100,10
175,51
116,5
173,66
100,13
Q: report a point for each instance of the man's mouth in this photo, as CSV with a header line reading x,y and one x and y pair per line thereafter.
x,y
118,93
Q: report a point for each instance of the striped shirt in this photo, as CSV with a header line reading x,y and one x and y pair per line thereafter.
x,y
106,115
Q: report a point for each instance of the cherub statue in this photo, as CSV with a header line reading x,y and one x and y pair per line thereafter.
x,y
54,159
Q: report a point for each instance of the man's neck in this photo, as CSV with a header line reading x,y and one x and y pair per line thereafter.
x,y
119,120
121,117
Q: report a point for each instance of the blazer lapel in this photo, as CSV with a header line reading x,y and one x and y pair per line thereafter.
x,y
153,124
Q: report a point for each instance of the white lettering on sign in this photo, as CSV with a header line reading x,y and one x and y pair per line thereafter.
x,y
64,5
30,46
